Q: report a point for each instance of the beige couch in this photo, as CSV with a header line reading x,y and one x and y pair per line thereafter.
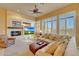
x,y
52,37
53,49
56,47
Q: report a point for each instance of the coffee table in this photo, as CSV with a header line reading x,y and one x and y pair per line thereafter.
x,y
37,45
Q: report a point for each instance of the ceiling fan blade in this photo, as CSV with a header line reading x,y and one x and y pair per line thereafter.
x,y
31,10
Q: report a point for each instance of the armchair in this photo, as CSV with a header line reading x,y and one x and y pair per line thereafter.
x,y
5,41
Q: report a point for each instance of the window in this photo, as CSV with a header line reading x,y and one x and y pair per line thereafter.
x,y
54,26
70,26
46,28
43,27
66,23
46,25
49,25
62,26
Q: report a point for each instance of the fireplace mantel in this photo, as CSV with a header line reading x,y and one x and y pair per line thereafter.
x,y
15,27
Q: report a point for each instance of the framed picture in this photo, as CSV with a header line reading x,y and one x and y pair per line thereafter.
x,y
16,23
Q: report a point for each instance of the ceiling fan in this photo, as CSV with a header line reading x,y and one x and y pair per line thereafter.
x,y
35,10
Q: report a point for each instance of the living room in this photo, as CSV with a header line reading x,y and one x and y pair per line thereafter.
x,y
30,29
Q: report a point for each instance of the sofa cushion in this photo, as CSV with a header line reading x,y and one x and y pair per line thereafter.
x,y
44,49
43,54
60,50
42,36
47,40
51,49
51,37
46,36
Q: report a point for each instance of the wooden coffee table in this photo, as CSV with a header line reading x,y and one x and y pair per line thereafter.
x,y
37,45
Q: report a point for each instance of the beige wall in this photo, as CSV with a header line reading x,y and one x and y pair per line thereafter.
x,y
2,21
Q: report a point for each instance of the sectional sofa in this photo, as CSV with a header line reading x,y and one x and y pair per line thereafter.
x,y
56,47
57,44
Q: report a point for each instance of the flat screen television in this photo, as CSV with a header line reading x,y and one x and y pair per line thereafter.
x,y
15,33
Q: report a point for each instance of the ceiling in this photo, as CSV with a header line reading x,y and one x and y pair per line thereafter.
x,y
24,8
